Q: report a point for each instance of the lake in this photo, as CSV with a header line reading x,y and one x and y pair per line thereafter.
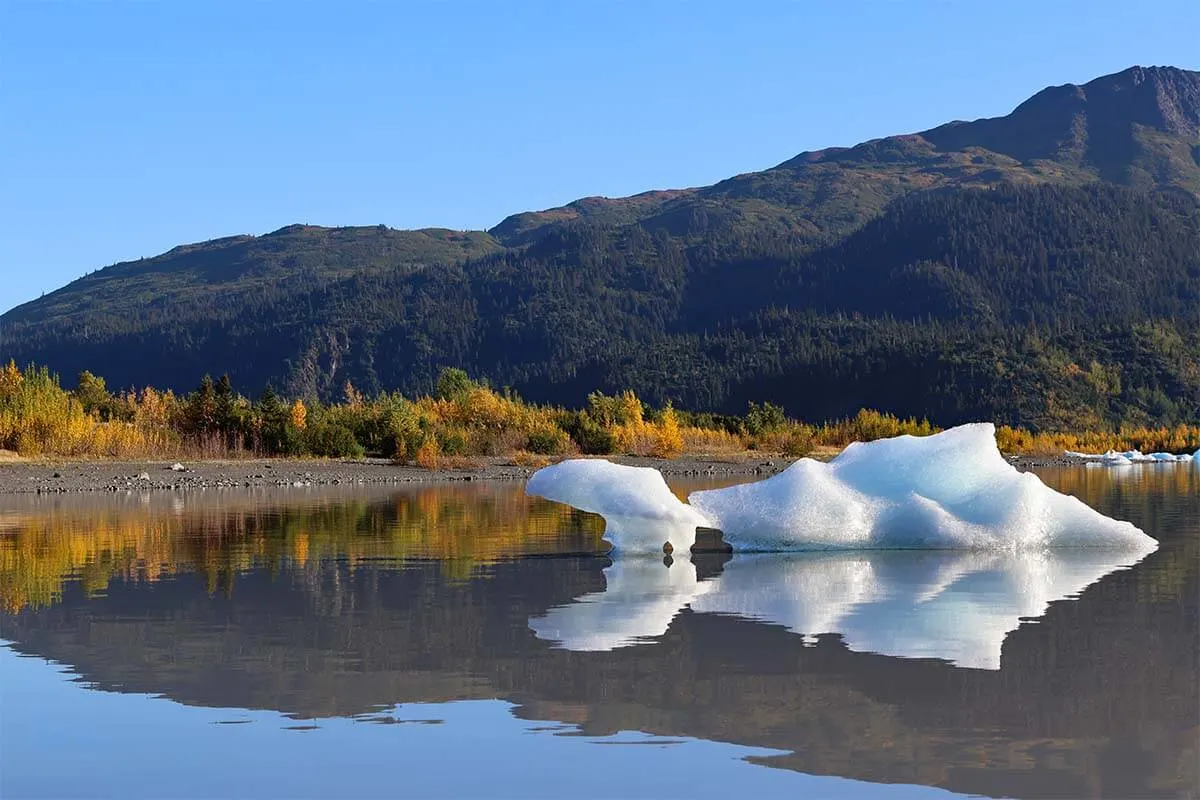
x,y
465,641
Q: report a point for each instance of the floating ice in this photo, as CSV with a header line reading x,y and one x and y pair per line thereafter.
x,y
640,512
951,490
1112,458
1167,457
953,605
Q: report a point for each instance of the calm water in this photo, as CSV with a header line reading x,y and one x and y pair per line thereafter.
x,y
467,642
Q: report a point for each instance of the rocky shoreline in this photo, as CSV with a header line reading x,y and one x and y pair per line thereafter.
x,y
68,477
59,477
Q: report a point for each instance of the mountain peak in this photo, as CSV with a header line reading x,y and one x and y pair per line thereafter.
x,y
1169,96
1166,98
1137,75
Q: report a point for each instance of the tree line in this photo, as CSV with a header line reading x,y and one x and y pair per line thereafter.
x,y
462,420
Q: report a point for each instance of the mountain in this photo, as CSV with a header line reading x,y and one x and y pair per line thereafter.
x,y
1042,267
1138,128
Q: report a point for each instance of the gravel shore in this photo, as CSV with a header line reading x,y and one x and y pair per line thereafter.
x,y
58,477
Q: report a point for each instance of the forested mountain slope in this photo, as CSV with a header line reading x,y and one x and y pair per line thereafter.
x,y
1041,268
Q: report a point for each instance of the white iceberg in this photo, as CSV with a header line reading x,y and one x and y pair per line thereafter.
x,y
953,605
1168,457
1113,458
640,512
948,491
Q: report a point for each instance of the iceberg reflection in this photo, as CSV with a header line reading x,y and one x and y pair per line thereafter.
x,y
951,605
641,597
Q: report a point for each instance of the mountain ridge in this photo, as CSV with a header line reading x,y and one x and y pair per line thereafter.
x,y
1084,217
1181,117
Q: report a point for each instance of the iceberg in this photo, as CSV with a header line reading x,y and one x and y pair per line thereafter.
x,y
640,512
952,490
953,605
1112,458
1168,457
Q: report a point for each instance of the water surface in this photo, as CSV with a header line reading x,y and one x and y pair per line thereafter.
x,y
466,641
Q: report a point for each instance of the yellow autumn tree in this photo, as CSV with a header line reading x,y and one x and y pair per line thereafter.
x,y
429,454
668,441
10,378
299,415
354,398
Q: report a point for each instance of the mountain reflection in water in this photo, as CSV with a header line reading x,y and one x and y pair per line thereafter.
x,y
339,606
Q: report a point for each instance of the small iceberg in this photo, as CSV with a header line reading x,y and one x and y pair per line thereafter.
x,y
640,512
953,605
952,490
1125,458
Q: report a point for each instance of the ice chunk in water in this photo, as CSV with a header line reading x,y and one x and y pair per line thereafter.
x,y
1112,458
951,490
954,605
640,512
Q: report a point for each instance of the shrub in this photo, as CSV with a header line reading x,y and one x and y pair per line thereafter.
x,y
622,409
402,434
428,454
523,458
668,441
710,441
332,440
452,442
589,436
548,441
453,383
764,419
798,443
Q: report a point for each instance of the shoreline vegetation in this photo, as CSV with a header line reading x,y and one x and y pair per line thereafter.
x,y
463,422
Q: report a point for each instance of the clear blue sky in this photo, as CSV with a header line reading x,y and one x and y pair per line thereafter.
x,y
130,127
